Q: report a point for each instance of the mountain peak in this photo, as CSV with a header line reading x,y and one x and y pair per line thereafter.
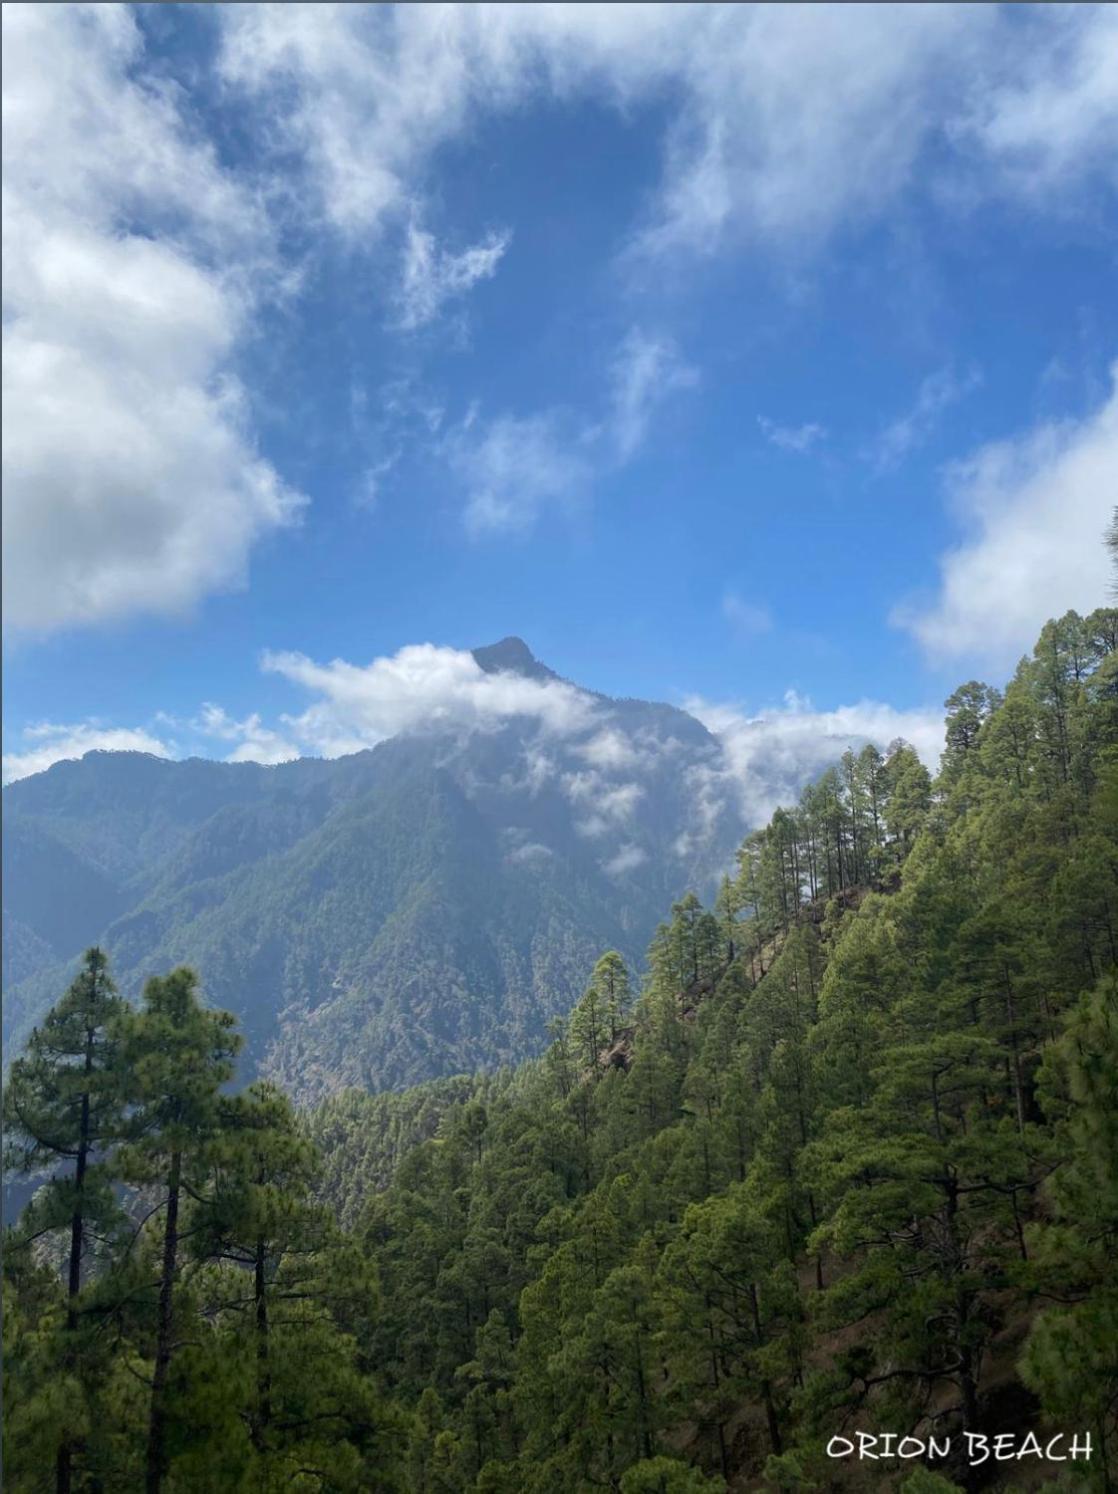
x,y
512,656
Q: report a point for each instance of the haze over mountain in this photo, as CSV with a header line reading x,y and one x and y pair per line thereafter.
x,y
417,908
398,912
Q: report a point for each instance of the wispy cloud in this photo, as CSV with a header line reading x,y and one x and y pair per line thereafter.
x,y
531,852
369,485
512,467
433,276
748,619
1034,508
646,370
610,749
912,429
627,859
256,743
797,438
400,416
1051,119
787,124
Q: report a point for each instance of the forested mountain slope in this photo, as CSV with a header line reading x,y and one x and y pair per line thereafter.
x,y
847,1161
857,1166
416,909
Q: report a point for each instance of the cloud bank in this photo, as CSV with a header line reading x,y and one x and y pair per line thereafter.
x,y
47,743
131,483
1034,509
574,742
422,687
770,754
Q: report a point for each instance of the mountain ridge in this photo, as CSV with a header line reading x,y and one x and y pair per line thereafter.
x,y
418,907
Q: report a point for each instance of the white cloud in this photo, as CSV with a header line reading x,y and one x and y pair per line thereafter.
x,y
367,491
592,825
909,431
764,760
798,121
419,687
1053,117
47,743
785,123
256,743
609,749
539,769
765,757
608,802
627,859
797,438
434,276
513,467
748,619
367,94
130,479
604,805
1035,508
646,370
533,851
784,126
50,742
361,92
620,800
770,755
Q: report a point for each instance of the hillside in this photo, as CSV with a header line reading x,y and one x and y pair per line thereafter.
x,y
846,1162
419,908
849,1165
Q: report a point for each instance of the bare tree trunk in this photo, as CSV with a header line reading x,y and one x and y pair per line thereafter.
x,y
156,1452
63,1466
263,1369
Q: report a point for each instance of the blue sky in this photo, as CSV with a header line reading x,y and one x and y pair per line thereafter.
x,y
757,358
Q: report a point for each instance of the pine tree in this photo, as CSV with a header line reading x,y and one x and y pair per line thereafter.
x,y
1071,1357
734,1311
726,909
610,978
64,1103
178,1055
968,709
588,1026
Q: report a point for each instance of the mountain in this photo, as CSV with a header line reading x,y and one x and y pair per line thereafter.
x,y
418,908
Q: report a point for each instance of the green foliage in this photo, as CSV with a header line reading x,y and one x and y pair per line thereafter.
x,y
850,1148
806,1191
667,1476
217,1342
1071,1358
64,1104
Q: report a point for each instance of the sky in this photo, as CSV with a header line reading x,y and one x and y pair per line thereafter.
x,y
759,359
